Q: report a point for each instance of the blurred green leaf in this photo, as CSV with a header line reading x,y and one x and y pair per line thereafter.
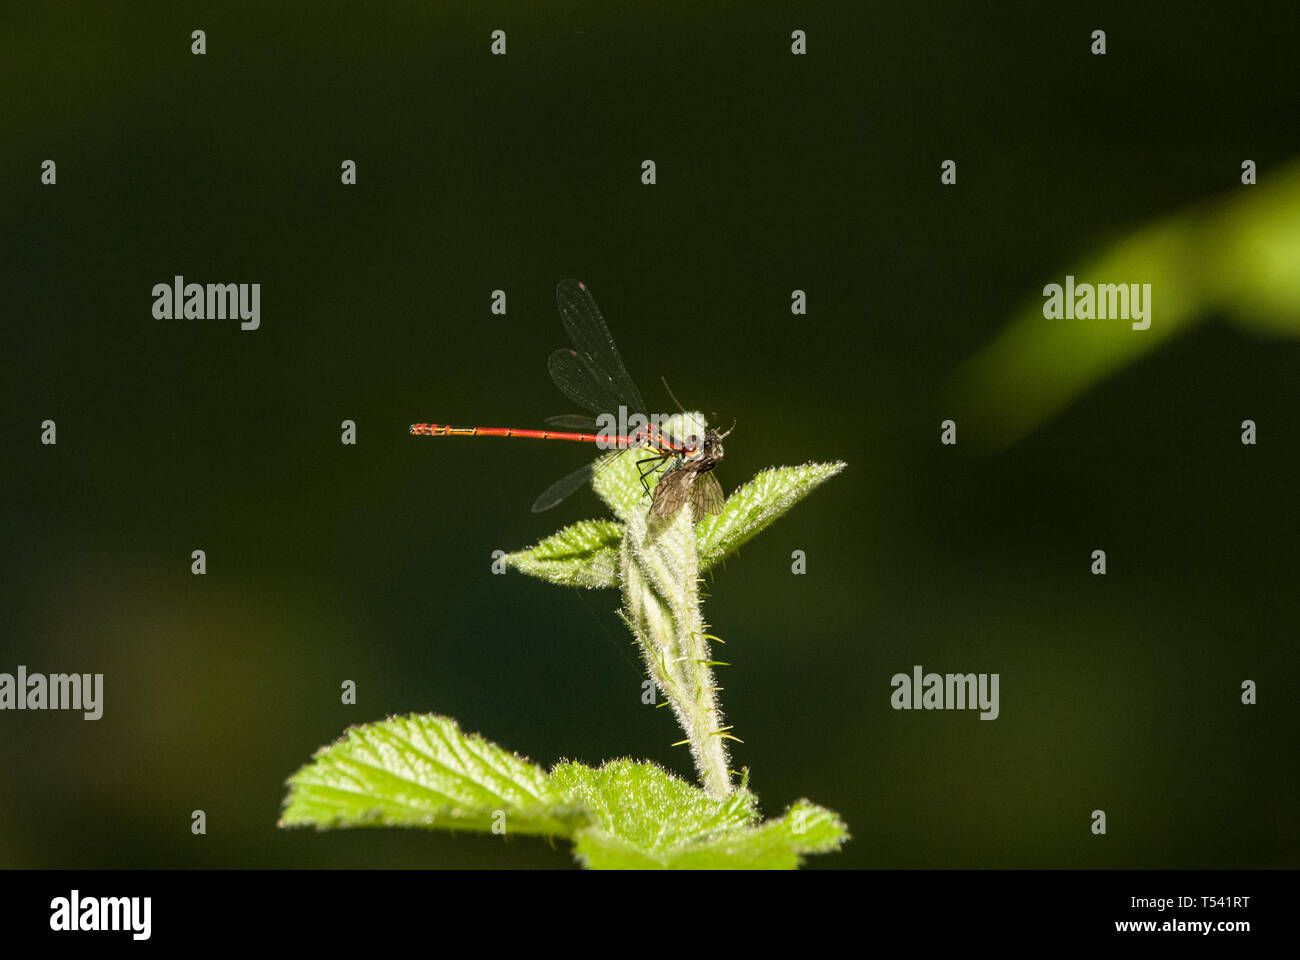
x,y
1239,256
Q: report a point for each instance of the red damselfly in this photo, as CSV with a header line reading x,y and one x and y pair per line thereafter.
x,y
592,375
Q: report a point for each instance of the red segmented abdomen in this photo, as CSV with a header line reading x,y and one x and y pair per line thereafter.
x,y
647,437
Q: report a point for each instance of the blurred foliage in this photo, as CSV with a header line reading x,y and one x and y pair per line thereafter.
x,y
1238,258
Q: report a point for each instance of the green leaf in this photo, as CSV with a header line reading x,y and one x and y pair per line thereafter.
x,y
645,812
774,845
422,771
645,818
583,555
756,505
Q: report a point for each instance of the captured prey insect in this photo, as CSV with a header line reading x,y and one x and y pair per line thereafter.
x,y
592,375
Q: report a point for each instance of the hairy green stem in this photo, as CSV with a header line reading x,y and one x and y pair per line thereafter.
x,y
660,567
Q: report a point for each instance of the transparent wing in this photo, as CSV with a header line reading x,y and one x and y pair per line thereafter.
x,y
706,496
575,421
594,349
563,487
579,384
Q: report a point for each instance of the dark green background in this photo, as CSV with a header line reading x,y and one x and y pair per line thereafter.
x,y
371,562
